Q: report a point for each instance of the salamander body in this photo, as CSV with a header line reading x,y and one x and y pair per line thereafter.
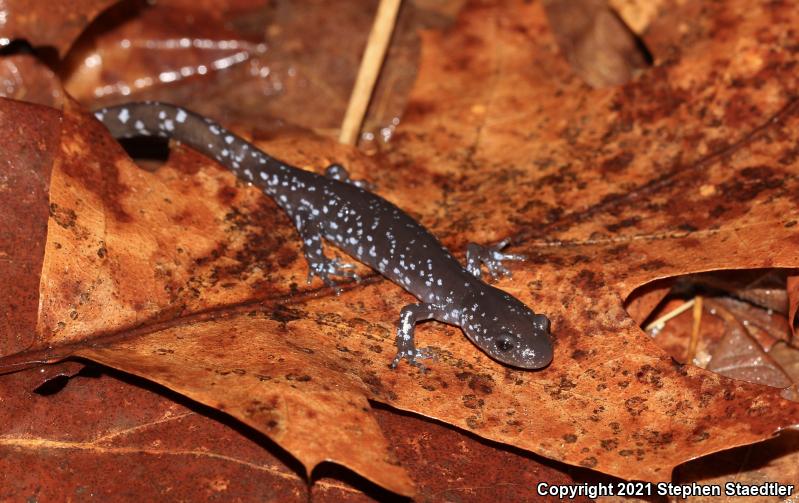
x,y
370,229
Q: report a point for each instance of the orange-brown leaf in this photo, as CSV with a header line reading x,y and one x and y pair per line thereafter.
x,y
188,278
48,24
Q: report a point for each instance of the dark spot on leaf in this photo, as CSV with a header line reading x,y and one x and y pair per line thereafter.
x,y
650,375
226,194
579,354
635,405
285,314
627,222
654,265
472,402
657,439
298,378
65,217
588,280
617,163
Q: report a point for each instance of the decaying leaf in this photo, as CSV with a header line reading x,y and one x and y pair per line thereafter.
x,y
770,462
48,24
746,340
738,355
262,63
24,78
595,41
65,443
60,445
792,289
616,193
29,143
186,277
156,48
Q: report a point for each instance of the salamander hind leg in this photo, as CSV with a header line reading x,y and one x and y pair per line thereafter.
x,y
318,263
340,173
492,257
409,317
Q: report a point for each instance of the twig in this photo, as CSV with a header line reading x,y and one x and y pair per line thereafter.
x,y
370,68
695,328
660,322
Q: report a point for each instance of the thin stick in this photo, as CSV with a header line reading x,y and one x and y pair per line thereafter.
x,y
695,328
370,67
660,322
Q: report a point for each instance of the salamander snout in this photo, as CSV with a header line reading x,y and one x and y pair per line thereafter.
x,y
507,330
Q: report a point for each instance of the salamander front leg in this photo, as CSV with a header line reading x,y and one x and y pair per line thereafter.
x,y
340,173
492,257
409,317
318,263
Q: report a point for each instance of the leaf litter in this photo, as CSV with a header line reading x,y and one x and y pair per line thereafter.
x,y
605,190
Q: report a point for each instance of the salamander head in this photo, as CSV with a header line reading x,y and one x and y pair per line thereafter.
x,y
507,330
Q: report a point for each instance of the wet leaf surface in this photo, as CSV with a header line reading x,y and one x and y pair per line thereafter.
x,y
50,25
66,444
25,78
98,418
263,64
29,142
182,275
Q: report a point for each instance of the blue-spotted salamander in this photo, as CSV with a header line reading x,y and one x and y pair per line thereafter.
x,y
374,231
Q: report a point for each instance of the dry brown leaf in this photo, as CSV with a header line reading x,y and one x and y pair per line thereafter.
x,y
262,62
54,446
604,190
772,461
766,326
139,49
25,78
764,288
792,289
739,356
28,145
735,339
48,24
642,302
67,438
638,14
613,189
595,41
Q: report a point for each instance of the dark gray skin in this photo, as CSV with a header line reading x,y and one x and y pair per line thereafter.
x,y
372,230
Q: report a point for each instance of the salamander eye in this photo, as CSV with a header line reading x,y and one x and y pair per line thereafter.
x,y
504,342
